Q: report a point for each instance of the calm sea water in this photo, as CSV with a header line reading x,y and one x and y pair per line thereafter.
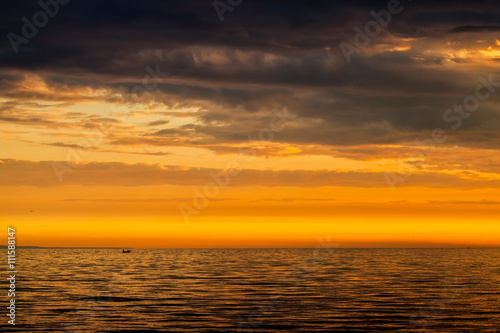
x,y
257,290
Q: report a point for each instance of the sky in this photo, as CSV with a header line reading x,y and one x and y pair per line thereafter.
x,y
171,124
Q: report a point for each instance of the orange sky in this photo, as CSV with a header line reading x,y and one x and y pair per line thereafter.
x,y
343,152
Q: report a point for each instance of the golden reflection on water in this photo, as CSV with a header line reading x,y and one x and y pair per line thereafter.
x,y
259,290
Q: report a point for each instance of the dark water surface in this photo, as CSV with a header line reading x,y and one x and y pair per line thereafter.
x,y
257,290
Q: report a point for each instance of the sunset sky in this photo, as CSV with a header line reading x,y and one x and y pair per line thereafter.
x,y
156,124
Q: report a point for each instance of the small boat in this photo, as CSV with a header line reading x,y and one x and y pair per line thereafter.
x,y
128,251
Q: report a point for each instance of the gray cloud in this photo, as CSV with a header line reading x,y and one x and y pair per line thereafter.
x,y
472,28
41,174
264,56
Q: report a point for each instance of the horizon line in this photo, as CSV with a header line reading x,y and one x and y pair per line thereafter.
x,y
228,248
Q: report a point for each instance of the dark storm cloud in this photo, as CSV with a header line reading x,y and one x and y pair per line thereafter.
x,y
94,34
264,55
472,28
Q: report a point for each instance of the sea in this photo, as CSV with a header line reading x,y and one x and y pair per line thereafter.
x,y
255,290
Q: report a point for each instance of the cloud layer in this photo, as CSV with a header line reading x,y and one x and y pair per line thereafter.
x,y
263,56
